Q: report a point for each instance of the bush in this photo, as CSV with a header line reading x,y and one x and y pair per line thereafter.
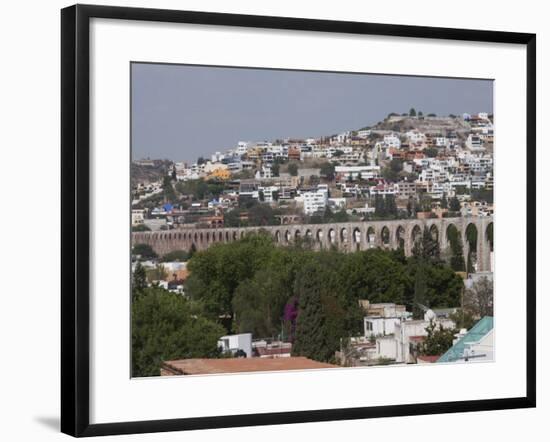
x,y
176,255
144,250
141,228
166,326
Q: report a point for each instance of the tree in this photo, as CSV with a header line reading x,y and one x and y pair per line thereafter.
x,y
428,247
390,174
174,174
258,303
471,238
340,217
167,326
293,169
431,152
168,189
261,196
444,286
141,228
247,284
483,195
314,180
379,206
478,300
176,255
410,207
275,167
438,341
311,330
420,289
145,251
412,112
444,202
462,319
192,250
457,262
396,165
391,206
262,215
216,272
139,280
454,205
327,171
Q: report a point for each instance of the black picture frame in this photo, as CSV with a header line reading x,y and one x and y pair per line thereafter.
x,y
75,212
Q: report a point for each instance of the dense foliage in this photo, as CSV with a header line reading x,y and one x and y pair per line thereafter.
x,y
257,284
176,255
140,228
145,251
166,326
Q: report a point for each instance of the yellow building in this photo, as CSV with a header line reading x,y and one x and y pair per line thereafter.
x,y
220,174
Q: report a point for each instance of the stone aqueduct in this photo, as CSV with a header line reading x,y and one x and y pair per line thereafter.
x,y
345,236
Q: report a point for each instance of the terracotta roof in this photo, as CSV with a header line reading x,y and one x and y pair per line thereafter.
x,y
238,365
430,359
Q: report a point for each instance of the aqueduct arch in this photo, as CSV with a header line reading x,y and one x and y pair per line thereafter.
x,y
345,236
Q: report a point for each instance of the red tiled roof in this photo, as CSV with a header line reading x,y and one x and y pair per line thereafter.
x,y
239,365
430,359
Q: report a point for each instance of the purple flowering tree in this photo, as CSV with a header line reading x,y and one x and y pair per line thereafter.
x,y
289,316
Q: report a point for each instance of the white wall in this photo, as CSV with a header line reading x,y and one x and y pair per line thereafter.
x,y
30,140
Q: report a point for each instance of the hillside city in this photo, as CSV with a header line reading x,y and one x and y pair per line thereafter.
x,y
250,305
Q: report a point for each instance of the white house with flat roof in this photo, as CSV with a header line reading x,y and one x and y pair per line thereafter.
x,y
314,201
234,343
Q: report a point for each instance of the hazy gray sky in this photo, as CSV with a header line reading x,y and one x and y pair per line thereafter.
x,y
182,112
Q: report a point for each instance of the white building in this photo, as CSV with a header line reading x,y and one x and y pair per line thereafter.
x,y
268,192
342,137
217,157
242,147
337,203
264,173
441,142
356,172
392,140
363,133
234,343
314,201
382,318
474,143
483,115
138,217
415,136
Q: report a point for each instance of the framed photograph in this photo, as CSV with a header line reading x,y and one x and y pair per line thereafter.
x,y
272,220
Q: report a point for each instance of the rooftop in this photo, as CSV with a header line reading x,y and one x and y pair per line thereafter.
x,y
480,329
429,359
241,365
